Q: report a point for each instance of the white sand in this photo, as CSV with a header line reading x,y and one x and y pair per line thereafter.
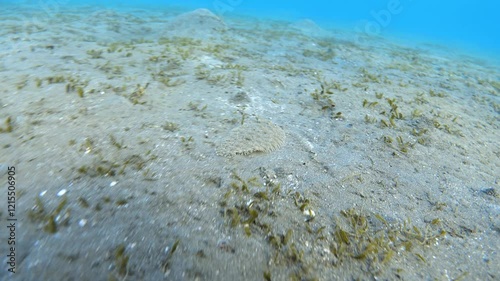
x,y
140,149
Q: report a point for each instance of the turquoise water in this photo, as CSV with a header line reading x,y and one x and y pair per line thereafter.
x,y
463,24
474,27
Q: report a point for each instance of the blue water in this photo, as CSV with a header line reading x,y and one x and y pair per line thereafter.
x,y
459,23
473,25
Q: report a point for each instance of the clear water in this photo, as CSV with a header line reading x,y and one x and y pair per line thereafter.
x,y
473,26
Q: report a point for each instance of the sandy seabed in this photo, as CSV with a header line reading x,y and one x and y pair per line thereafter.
x,y
382,160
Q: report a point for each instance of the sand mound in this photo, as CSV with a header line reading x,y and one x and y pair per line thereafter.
x,y
308,27
200,23
251,137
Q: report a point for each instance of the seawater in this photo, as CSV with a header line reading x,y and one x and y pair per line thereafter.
x,y
472,26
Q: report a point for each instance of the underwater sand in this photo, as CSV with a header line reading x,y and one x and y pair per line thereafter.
x,y
388,169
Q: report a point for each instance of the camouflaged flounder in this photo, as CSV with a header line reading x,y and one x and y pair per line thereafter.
x,y
251,137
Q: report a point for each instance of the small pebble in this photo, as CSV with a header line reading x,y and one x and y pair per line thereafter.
x,y
309,213
82,222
